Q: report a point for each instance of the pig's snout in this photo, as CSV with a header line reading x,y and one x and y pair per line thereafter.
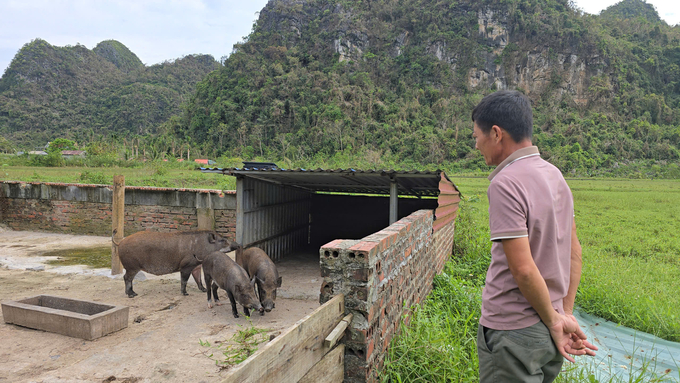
x,y
257,307
268,306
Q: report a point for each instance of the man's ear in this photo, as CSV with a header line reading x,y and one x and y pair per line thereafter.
x,y
496,133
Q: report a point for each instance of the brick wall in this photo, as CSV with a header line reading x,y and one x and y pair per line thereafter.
x,y
86,209
382,276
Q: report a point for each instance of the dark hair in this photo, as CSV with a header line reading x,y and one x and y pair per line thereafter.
x,y
509,109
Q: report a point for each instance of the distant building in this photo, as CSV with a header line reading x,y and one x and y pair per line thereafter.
x,y
73,153
205,161
38,152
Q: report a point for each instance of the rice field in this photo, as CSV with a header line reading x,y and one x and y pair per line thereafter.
x,y
631,268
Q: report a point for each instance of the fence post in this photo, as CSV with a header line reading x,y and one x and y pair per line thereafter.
x,y
117,222
394,201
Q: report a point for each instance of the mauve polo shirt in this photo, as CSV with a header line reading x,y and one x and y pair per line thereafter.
x,y
528,197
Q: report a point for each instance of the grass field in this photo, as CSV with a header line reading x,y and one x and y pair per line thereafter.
x,y
631,265
158,174
631,249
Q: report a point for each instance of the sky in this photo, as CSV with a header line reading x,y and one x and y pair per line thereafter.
x,y
160,30
154,30
668,10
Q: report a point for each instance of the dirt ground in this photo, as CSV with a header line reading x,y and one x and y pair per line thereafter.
x,y
161,342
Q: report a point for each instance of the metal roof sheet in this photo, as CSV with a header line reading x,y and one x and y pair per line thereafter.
x,y
415,183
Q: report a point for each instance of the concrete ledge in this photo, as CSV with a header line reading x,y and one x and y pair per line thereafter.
x,y
134,195
71,317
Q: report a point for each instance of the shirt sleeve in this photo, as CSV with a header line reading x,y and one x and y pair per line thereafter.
x,y
507,211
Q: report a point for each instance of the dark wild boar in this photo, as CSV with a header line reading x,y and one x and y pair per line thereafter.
x,y
164,253
222,271
258,265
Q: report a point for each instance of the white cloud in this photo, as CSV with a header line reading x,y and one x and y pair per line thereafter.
x,y
669,10
155,30
159,30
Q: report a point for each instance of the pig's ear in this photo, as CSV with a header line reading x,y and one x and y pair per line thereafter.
x,y
212,238
278,282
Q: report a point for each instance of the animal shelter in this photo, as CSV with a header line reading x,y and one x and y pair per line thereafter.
x,y
281,210
379,237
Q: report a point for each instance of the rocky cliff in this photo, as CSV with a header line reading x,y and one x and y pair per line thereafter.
x,y
396,79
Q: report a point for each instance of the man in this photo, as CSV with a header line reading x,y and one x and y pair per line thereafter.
x,y
527,326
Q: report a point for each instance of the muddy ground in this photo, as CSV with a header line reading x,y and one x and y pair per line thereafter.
x,y
161,342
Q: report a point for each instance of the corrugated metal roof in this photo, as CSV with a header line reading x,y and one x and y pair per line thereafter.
x,y
413,183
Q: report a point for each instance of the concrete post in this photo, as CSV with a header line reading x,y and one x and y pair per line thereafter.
x,y
206,218
394,201
117,222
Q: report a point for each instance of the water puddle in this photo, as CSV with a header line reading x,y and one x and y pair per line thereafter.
x,y
96,257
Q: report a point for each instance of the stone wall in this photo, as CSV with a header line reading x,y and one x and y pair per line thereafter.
x,y
382,276
86,209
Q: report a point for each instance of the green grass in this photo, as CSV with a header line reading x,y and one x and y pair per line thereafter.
x,y
158,174
631,249
631,265
97,257
439,344
631,252
238,348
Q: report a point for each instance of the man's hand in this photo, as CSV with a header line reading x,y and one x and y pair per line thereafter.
x,y
570,338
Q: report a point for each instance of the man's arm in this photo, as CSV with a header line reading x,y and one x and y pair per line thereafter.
x,y
575,273
565,331
529,279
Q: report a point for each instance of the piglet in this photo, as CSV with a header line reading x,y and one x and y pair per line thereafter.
x,y
258,265
221,271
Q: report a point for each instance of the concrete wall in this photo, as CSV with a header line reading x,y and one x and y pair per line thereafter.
x,y
382,276
86,209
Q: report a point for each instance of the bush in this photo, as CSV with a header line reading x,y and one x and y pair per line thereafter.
x,y
97,178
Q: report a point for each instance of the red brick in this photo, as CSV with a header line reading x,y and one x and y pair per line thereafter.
x,y
335,244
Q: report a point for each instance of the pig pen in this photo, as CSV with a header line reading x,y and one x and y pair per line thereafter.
x,y
161,342
380,246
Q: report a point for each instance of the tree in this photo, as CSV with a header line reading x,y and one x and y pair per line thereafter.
x,y
6,146
60,144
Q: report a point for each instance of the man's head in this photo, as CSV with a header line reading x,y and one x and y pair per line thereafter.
x,y
503,122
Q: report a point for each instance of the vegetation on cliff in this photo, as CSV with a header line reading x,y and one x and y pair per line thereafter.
x,y
375,84
394,82
80,94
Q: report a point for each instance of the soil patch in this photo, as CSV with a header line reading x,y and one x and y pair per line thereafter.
x,y
162,342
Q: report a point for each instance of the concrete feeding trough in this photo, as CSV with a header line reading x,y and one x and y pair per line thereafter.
x,y
71,317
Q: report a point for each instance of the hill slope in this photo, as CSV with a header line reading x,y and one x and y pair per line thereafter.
x,y
395,82
77,93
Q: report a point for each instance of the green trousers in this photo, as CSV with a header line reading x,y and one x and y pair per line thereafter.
x,y
527,355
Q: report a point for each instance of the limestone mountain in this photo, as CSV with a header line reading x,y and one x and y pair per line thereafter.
x,y
119,55
81,94
395,80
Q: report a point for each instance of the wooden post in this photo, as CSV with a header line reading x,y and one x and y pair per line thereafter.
x,y
394,201
239,209
117,222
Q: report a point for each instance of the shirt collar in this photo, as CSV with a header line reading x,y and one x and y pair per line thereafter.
x,y
519,154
